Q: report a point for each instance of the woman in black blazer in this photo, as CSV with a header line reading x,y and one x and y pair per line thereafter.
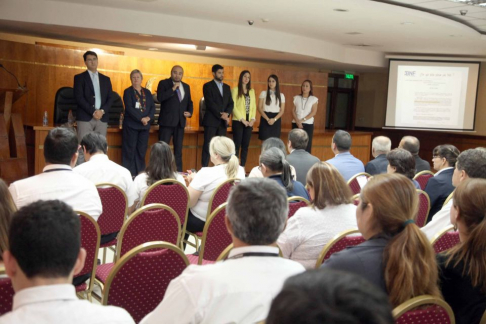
x,y
139,111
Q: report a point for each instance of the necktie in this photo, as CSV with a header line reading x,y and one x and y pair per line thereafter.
x,y
179,94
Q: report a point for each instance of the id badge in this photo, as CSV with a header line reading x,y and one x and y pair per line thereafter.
x,y
137,105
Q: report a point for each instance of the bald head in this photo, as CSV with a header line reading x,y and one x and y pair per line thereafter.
x,y
380,145
411,144
176,73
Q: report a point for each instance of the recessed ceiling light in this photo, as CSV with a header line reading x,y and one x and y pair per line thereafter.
x,y
200,47
145,35
407,23
341,10
153,49
265,20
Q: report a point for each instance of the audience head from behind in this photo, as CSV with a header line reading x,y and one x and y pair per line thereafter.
x,y
411,144
401,161
93,143
388,205
380,145
470,164
341,142
273,162
331,297
7,209
444,156
273,142
261,221
326,186
161,164
222,151
218,72
61,147
298,140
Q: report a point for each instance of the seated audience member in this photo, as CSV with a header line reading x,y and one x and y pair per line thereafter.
x,y
161,166
412,144
313,227
344,161
57,180
331,297
274,166
402,162
470,164
44,254
395,247
440,186
203,183
268,143
240,289
7,208
380,146
299,158
463,268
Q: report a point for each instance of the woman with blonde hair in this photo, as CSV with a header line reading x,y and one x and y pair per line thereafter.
x,y
463,268
7,208
202,184
313,227
396,257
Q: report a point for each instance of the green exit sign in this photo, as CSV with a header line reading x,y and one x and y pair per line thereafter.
x,y
349,76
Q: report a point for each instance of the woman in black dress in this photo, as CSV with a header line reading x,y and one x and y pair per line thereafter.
x,y
271,106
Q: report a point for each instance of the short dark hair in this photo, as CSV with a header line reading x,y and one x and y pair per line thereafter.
x,y
216,67
298,139
60,145
448,152
342,139
403,161
94,143
89,53
45,239
473,162
411,144
331,297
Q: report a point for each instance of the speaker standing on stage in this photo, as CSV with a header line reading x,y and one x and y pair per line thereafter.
x,y
271,106
175,106
139,111
305,108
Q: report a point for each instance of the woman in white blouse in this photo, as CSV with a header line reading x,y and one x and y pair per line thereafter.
x,y
313,227
271,106
305,108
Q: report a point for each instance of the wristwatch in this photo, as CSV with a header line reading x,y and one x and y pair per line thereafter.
x,y
305,119
103,111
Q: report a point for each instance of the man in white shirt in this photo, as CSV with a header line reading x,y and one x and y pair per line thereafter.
x,y
470,164
240,289
44,254
57,180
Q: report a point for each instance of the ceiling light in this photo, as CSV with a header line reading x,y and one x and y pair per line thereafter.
x,y
145,35
341,10
153,49
200,47
265,20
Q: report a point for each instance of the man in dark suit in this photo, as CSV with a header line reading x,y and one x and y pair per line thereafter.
x,y
299,158
219,105
412,144
93,93
175,105
379,147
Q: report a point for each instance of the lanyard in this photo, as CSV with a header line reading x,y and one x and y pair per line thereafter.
x,y
257,254
52,170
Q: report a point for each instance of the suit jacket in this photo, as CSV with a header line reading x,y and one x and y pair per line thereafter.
x,y
85,96
133,115
171,109
377,166
439,188
216,104
347,165
302,161
421,165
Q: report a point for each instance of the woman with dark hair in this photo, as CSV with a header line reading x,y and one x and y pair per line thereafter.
x,y
274,166
396,256
440,186
161,166
268,143
402,161
271,106
244,113
305,108
7,208
463,268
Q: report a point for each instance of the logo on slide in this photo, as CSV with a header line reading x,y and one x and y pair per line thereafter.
x,y
409,73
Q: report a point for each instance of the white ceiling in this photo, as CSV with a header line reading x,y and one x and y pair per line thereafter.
x,y
305,32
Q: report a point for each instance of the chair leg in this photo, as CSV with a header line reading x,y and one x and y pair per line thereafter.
x,y
104,255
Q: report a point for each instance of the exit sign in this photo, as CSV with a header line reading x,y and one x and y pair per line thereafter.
x,y
349,76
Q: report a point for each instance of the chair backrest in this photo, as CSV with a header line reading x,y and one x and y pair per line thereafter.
x,y
115,207
423,177
63,102
220,194
424,208
355,199
424,309
354,182
338,243
224,255
172,193
202,111
115,110
154,222
90,241
448,198
140,278
295,203
215,237
445,239
6,295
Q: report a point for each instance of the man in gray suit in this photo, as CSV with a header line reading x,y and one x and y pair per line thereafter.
x,y
379,147
299,158
412,144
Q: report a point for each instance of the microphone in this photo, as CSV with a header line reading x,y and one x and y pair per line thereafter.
x,y
18,83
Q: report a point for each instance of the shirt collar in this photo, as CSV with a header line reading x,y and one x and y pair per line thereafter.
x,y
253,248
56,166
218,82
343,153
99,157
442,170
41,294
92,73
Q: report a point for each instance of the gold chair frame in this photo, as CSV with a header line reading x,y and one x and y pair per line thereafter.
x,y
483,319
298,198
331,243
422,300
205,232
419,191
225,253
448,198
422,173
358,175
440,233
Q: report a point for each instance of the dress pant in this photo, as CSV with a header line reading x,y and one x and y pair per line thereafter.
x,y
241,137
83,128
177,134
134,148
309,129
209,133
193,225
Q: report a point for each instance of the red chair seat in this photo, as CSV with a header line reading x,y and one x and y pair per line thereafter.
x,y
81,287
103,271
200,234
193,259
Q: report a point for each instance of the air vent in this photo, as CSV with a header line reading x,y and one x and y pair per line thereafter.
x,y
354,33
